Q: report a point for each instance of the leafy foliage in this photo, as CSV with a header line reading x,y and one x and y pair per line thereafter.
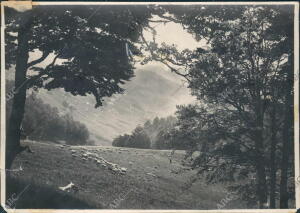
x,y
44,123
242,73
158,126
91,42
138,139
162,133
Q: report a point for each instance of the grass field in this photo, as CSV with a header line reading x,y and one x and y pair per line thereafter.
x,y
149,182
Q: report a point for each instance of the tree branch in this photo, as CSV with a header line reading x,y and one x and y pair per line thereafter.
x,y
45,70
159,21
169,18
32,63
156,58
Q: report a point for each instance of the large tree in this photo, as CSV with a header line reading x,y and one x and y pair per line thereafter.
x,y
92,42
239,75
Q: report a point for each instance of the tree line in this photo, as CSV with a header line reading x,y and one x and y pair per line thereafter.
x,y
43,122
159,133
152,134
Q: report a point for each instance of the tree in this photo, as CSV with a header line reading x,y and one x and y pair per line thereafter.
x,y
160,132
121,141
157,125
245,60
282,28
235,76
43,122
139,139
171,139
91,41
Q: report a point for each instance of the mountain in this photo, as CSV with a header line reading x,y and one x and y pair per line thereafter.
x,y
153,92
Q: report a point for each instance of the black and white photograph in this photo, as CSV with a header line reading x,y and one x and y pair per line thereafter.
x,y
149,106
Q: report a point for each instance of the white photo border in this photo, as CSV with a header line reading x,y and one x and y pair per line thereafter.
x,y
29,4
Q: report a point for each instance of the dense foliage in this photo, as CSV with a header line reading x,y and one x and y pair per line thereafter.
x,y
161,132
138,139
44,123
90,43
243,79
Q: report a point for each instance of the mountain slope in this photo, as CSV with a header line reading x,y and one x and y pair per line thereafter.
x,y
152,92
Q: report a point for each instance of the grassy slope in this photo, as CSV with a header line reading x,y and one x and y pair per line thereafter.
x,y
51,166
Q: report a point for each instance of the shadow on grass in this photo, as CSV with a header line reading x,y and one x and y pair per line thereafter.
x,y
33,196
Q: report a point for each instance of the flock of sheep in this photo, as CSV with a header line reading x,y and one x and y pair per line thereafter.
x,y
89,155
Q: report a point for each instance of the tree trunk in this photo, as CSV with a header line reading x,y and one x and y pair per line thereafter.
x,y
286,146
273,168
261,177
261,184
17,112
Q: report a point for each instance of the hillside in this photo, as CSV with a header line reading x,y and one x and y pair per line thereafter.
x,y
129,178
152,92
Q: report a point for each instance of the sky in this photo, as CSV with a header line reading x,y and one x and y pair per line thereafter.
x,y
173,33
